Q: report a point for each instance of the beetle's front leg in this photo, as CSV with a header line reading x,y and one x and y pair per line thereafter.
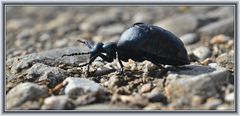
x,y
122,69
121,64
105,58
89,63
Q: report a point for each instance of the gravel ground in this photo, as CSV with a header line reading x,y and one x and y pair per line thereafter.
x,y
37,77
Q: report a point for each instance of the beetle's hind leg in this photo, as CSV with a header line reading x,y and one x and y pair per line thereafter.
x,y
121,72
122,67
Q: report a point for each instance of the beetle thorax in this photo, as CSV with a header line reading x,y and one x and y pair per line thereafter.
x,y
110,49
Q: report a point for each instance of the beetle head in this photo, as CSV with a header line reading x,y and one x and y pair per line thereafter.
x,y
97,49
109,49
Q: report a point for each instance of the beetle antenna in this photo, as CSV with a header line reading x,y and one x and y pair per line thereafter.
x,y
74,54
85,43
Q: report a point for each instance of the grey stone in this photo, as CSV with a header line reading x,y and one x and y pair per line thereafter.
x,y
25,92
181,86
75,86
189,71
146,88
202,52
103,71
180,24
224,26
226,60
34,65
61,102
40,72
51,58
189,38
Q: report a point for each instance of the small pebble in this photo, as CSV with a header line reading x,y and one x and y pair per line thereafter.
x,y
146,88
44,37
207,61
189,38
61,102
202,52
114,81
219,39
226,60
212,103
75,86
60,43
230,97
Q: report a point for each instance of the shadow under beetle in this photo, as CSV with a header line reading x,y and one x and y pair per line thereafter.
x,y
140,42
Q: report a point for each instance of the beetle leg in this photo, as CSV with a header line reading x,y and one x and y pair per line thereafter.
x,y
122,69
105,58
121,64
90,62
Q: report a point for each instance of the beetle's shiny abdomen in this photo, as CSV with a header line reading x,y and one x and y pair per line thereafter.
x,y
142,41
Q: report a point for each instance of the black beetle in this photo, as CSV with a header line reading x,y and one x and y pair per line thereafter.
x,y
141,42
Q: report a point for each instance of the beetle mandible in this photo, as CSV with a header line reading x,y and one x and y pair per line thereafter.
x,y
140,42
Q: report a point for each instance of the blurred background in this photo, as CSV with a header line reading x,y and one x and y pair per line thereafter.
x,y
38,28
